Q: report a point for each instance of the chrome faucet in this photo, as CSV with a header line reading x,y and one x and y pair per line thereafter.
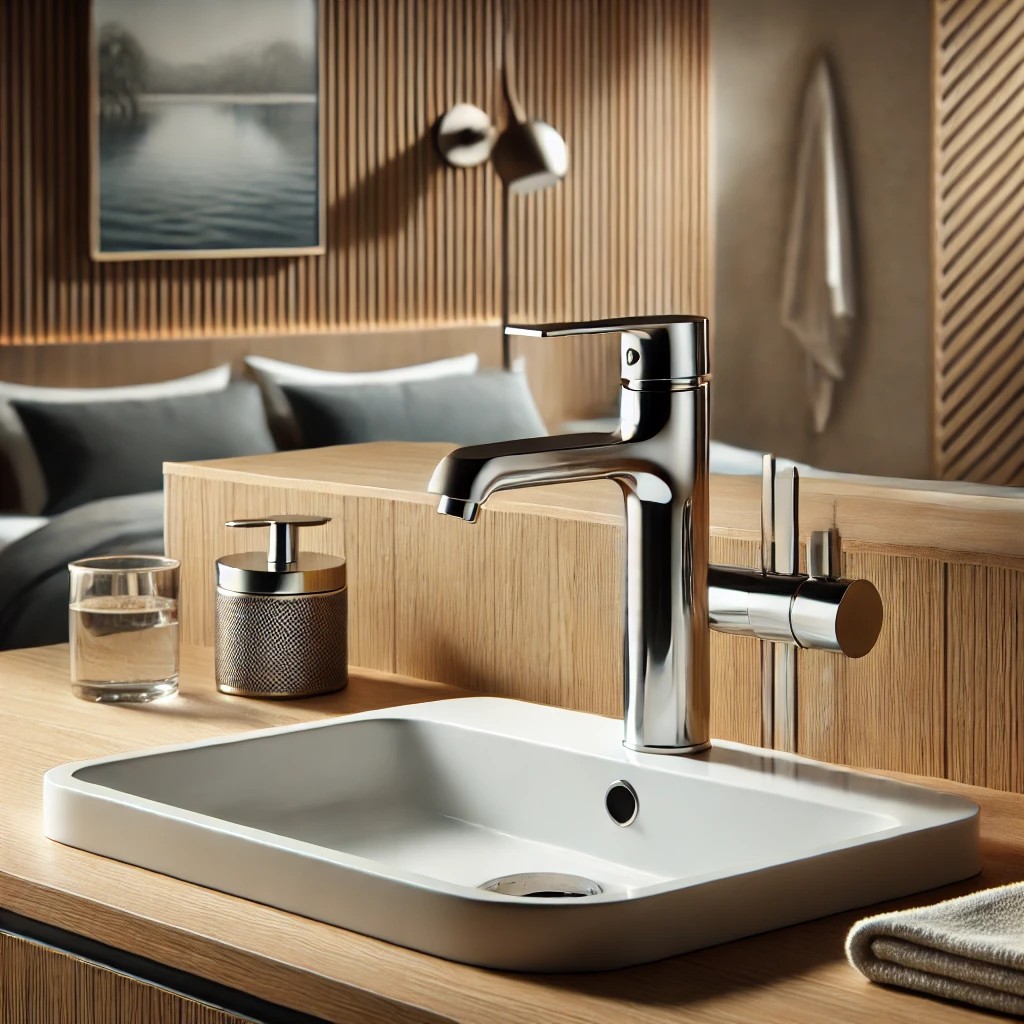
x,y
659,458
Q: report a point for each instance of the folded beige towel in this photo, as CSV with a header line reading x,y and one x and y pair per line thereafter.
x,y
970,949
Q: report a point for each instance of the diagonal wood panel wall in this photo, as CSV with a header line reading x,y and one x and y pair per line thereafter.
x,y
979,240
408,241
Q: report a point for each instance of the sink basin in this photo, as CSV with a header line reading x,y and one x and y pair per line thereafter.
x,y
389,823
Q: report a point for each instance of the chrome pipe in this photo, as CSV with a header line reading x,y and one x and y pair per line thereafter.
x,y
844,616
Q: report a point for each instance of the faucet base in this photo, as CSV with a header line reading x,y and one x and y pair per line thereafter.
x,y
693,748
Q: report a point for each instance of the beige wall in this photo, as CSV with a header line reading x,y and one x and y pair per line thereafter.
x,y
761,54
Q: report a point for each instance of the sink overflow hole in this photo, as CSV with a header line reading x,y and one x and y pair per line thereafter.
x,y
622,803
546,885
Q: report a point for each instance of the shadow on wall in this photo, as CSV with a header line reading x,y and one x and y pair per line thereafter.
x,y
386,199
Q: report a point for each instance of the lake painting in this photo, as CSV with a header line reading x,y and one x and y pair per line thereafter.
x,y
206,128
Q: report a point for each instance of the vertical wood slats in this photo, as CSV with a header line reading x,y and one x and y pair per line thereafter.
x,y
38,983
985,669
408,241
979,240
627,232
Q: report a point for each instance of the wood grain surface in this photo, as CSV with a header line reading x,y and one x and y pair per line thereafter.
x,y
794,976
408,239
985,657
979,240
525,602
139,362
885,710
43,986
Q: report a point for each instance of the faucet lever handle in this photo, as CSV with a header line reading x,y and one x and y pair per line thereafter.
x,y
657,351
615,325
780,518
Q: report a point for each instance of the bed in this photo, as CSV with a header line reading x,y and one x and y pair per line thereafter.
x,y
33,569
87,462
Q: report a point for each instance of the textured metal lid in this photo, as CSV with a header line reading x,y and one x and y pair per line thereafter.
x,y
311,573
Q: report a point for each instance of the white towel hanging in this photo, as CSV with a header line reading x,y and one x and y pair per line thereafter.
x,y
818,287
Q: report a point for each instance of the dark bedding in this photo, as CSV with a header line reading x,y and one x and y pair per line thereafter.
x,y
33,570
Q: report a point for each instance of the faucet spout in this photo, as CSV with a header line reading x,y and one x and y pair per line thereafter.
x,y
659,459
469,476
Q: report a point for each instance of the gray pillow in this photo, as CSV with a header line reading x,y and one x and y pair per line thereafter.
x,y
473,409
98,450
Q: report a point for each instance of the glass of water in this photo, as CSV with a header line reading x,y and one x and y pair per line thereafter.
x,y
123,625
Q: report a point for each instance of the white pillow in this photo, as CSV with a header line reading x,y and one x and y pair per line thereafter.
x,y
15,443
13,528
271,373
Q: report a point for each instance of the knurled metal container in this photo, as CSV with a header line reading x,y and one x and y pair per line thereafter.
x,y
282,645
281,618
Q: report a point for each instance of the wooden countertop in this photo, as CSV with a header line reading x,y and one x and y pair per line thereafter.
x,y
794,975
953,525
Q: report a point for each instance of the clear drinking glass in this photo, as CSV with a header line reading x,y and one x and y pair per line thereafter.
x,y
123,625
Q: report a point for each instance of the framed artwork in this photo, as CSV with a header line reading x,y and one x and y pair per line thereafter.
x,y
206,128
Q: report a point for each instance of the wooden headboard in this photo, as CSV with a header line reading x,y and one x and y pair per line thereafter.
x,y
112,364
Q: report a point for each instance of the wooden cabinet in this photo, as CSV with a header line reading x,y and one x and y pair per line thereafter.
x,y
526,603
41,985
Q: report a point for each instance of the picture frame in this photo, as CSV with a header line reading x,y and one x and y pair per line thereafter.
x,y
206,133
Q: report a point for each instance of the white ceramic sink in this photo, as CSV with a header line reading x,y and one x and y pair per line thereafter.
x,y
387,822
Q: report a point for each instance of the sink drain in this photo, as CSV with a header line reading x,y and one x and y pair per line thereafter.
x,y
549,885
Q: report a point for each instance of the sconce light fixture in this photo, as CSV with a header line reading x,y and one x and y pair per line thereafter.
x,y
529,154
466,136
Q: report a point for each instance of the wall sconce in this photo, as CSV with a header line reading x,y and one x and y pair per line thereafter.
x,y
529,155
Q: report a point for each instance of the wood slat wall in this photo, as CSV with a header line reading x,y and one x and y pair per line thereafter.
x,y
979,240
408,240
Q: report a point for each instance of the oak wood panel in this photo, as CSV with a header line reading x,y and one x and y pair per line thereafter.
x,y
138,362
43,986
942,524
886,710
408,240
797,975
735,661
587,585
526,602
979,240
519,605
985,654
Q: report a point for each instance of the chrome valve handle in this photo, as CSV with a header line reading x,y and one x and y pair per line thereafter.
x,y
790,609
